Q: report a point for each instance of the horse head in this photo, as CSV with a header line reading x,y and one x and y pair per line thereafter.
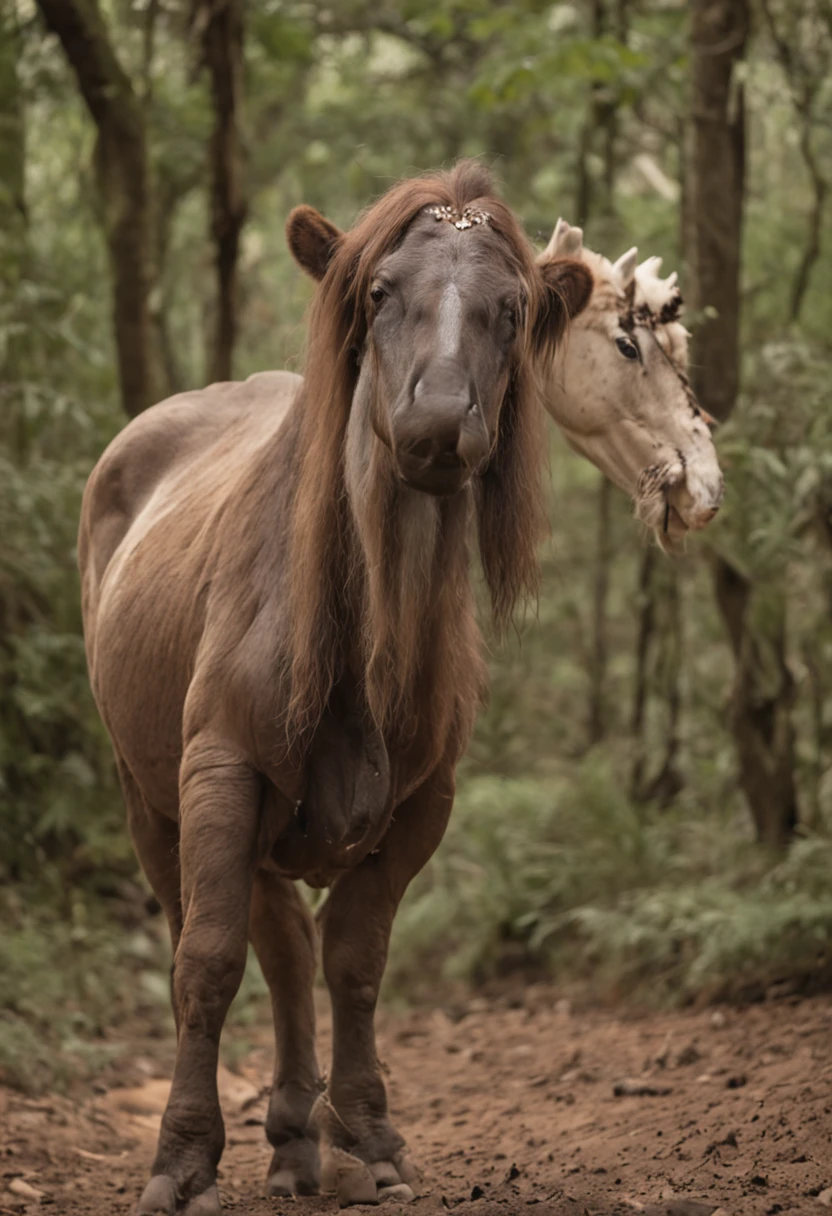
x,y
619,391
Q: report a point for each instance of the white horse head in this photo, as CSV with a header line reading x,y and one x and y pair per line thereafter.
x,y
618,389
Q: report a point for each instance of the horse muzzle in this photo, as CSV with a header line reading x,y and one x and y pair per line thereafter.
x,y
696,499
677,499
439,444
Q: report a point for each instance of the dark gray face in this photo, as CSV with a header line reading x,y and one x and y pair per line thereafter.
x,y
445,308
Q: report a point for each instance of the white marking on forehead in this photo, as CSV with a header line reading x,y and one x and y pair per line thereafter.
x,y
450,321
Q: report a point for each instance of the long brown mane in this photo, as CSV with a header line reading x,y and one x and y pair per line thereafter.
x,y
331,606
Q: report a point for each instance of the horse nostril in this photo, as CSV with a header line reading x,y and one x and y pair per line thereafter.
x,y
448,455
442,452
421,449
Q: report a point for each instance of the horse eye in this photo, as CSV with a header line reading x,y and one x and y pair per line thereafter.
x,y
377,295
514,310
628,349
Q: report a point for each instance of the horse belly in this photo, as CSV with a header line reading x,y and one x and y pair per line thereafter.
x,y
141,663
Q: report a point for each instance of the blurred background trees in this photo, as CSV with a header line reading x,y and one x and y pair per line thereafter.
x,y
648,799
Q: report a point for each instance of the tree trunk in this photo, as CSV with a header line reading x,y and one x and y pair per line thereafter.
x,y
715,189
602,118
812,251
644,640
667,781
168,196
13,236
659,649
761,705
12,150
820,737
596,727
220,23
123,176
806,76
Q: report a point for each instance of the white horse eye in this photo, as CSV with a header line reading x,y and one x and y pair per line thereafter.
x,y
628,349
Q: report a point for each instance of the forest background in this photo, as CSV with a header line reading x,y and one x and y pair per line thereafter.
x,y
646,809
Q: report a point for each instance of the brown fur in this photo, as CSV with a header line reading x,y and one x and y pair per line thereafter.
x,y
570,282
312,240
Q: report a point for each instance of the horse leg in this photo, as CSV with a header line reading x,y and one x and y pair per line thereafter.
x,y
156,841
218,828
364,1149
283,933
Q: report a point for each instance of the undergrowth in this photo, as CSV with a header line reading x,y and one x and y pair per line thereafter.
x,y
561,877
568,878
82,983
68,976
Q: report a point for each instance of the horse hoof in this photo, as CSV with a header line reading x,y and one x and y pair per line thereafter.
x,y
385,1173
408,1172
158,1196
284,1183
206,1204
355,1184
295,1169
402,1192
281,1184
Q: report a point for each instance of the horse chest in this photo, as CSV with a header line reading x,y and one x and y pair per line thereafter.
x,y
344,798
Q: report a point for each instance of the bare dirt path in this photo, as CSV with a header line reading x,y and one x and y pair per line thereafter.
x,y
509,1110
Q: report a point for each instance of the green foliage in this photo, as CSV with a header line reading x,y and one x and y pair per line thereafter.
x,y
522,852
731,934
569,877
67,973
59,812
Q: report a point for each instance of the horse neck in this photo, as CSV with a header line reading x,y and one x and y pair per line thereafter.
x,y
419,640
556,399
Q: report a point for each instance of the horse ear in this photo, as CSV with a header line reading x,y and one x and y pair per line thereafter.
x,y
566,241
571,280
312,240
567,284
625,268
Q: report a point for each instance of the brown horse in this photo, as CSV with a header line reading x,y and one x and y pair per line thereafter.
x,y
282,643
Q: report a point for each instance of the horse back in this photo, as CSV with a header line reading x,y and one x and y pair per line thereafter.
x,y
144,463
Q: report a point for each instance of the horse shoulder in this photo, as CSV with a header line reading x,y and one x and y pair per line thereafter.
x,y
156,448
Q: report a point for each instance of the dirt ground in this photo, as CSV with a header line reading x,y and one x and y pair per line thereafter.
x,y
507,1108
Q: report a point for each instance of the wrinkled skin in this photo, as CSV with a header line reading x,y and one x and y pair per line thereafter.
x,y
618,389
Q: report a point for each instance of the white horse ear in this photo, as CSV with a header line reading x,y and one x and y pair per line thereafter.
x,y
657,293
566,242
650,268
625,268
